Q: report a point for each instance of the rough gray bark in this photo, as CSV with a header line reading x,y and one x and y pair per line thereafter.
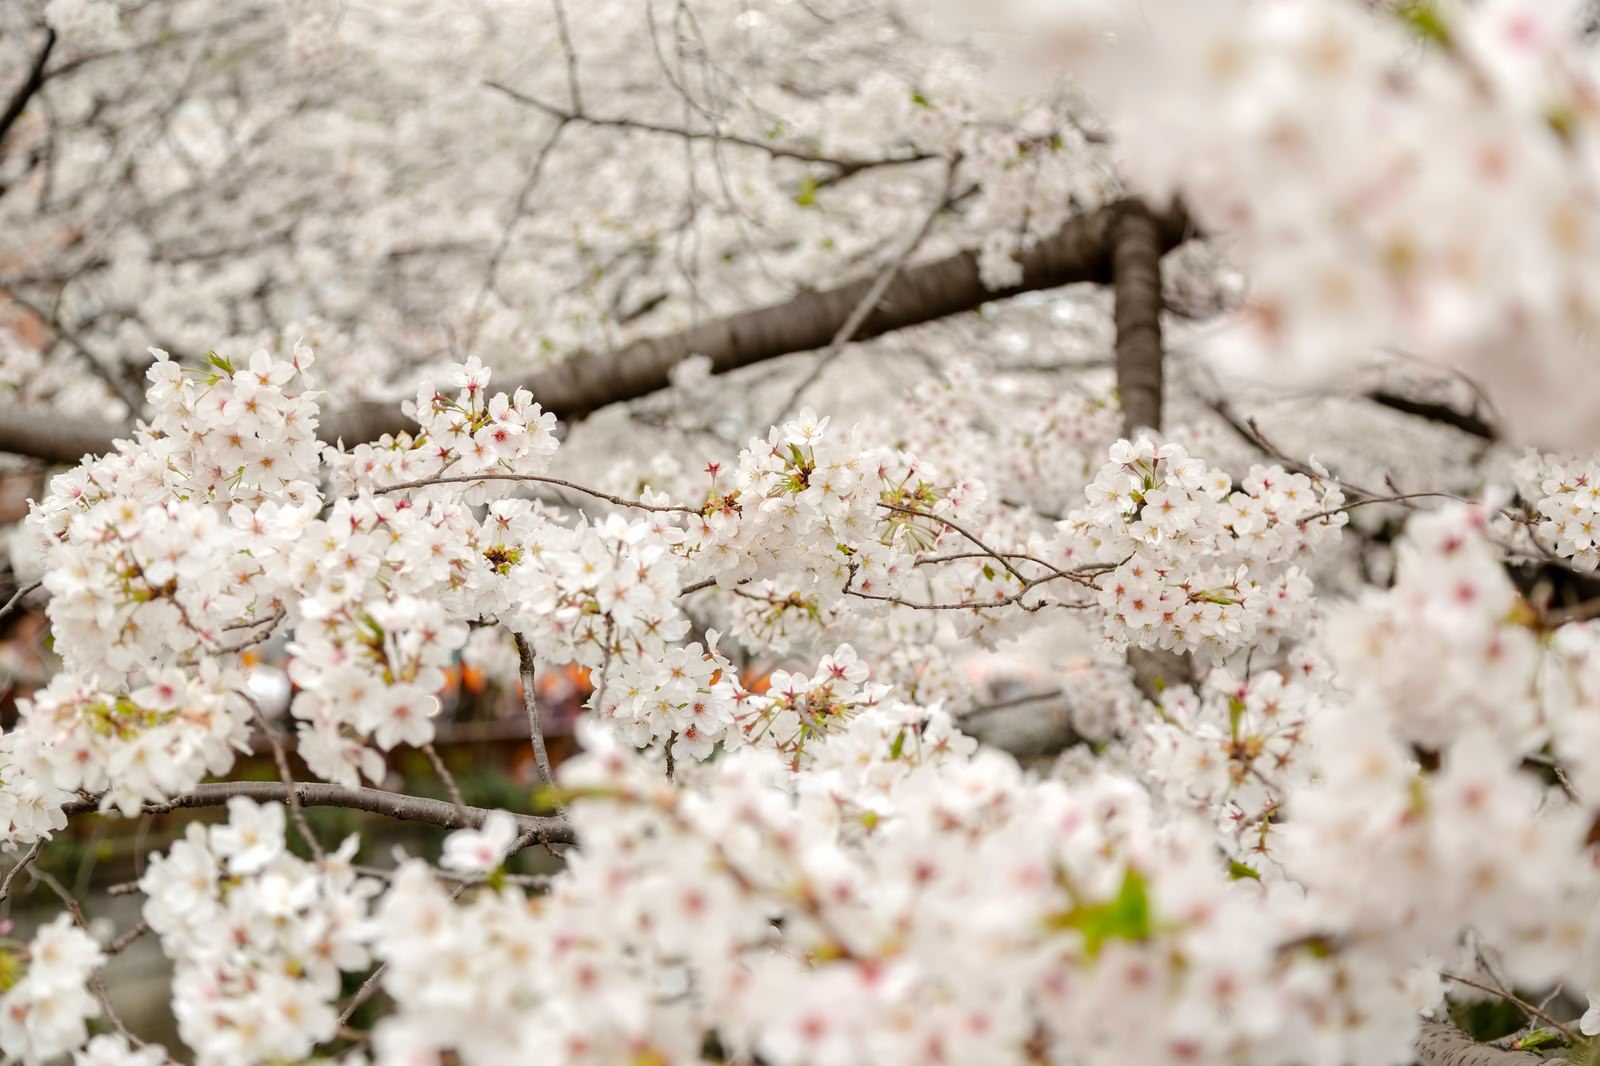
x,y
1442,1044
1080,251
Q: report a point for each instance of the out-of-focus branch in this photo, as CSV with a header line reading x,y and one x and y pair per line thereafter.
x,y
317,794
872,295
1444,414
30,85
842,165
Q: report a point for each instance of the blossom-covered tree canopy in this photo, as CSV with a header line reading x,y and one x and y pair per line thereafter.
x,y
1221,375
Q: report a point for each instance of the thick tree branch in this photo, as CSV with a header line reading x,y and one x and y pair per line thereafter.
x,y
316,794
1136,249
1080,251
1444,414
1442,1044
30,85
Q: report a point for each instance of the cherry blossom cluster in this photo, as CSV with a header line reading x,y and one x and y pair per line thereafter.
x,y
175,545
593,592
389,579
30,807
1451,647
1564,494
1195,566
259,937
368,669
471,433
1039,448
114,1049
689,700
45,1008
1566,689
829,513
905,898
1340,148
1479,844
1233,748
128,747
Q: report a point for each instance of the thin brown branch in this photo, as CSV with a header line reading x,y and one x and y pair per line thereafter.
x,y
844,165
467,479
21,865
318,794
16,597
1363,502
873,295
121,942
281,758
449,779
1510,997
530,701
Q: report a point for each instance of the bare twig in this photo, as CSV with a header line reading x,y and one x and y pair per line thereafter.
x,y
121,942
1521,1004
21,864
564,32
872,296
843,165
281,758
447,777
17,596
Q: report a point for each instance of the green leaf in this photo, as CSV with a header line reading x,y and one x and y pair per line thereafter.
x,y
1238,871
11,969
899,745
920,100
1537,1038
1235,713
219,362
1562,118
554,798
1425,21
1123,917
988,571
807,196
